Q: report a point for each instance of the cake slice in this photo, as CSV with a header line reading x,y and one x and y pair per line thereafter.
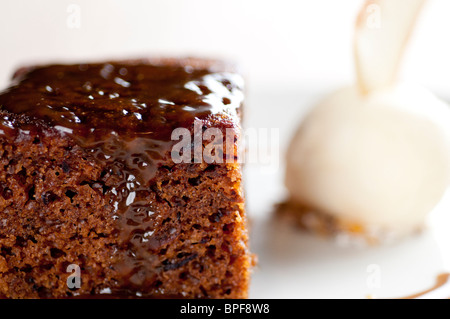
x,y
104,190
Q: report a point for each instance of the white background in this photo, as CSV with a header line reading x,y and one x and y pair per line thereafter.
x,y
278,42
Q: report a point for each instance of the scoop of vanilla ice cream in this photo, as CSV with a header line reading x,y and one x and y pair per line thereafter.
x,y
381,161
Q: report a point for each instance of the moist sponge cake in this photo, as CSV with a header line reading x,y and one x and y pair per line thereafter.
x,y
92,202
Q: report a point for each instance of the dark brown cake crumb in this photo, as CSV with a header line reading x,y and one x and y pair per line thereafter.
x,y
66,202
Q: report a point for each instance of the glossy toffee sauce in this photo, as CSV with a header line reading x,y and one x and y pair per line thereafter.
x,y
123,113
442,281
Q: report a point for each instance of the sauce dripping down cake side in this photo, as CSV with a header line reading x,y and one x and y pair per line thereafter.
x,y
89,180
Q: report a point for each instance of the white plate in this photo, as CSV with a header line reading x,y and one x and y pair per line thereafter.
x,y
294,264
